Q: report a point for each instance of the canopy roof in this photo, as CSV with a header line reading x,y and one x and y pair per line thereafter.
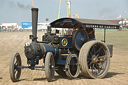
x,y
83,23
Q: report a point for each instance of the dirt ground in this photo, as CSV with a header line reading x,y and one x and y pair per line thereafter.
x,y
11,42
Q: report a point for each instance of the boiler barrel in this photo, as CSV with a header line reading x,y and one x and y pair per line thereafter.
x,y
40,49
48,48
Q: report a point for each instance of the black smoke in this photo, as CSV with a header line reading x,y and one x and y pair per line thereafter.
x,y
13,4
20,5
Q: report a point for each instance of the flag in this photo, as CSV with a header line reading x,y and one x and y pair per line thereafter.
x,y
76,15
124,11
101,16
119,16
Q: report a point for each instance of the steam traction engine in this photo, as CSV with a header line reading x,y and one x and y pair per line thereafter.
x,y
68,51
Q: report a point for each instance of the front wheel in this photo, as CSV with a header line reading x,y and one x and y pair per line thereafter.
x,y
49,66
94,59
15,71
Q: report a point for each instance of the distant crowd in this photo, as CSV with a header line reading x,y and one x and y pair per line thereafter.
x,y
12,30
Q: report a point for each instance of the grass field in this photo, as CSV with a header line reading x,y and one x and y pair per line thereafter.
x,y
14,42
118,38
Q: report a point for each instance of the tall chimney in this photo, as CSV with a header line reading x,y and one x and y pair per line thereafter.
x,y
34,24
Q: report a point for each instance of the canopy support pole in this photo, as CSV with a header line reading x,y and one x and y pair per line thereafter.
x,y
104,35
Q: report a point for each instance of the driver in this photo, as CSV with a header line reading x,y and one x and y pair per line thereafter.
x,y
91,33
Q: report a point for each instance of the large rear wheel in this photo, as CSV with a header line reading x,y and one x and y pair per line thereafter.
x,y
94,59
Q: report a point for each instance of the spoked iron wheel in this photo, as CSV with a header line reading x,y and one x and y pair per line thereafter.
x,y
72,67
15,72
94,59
49,66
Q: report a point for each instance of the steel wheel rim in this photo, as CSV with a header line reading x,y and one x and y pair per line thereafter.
x,y
97,60
72,67
51,67
15,71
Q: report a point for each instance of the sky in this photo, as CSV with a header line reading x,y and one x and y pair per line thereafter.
x,y
17,11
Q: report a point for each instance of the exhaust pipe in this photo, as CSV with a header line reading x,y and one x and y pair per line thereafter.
x,y
34,24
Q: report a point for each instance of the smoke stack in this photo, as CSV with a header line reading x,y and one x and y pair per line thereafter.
x,y
34,23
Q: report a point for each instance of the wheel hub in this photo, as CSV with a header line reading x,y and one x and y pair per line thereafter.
x,y
95,59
